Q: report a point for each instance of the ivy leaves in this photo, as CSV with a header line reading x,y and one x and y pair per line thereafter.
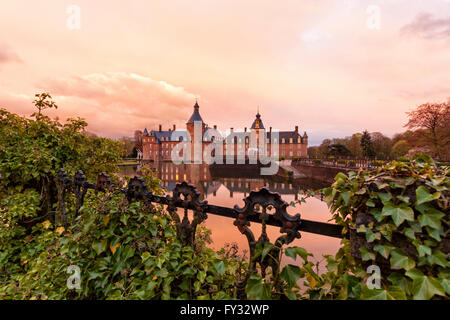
x,y
407,206
424,287
399,213
423,195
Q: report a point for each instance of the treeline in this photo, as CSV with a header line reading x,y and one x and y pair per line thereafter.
x,y
428,132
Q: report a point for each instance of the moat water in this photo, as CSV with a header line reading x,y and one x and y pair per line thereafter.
x,y
227,188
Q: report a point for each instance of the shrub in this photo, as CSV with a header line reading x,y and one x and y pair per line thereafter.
x,y
317,161
400,212
377,163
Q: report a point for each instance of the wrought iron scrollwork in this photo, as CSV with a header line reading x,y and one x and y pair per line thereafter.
x,y
80,186
103,182
136,189
265,200
185,228
62,182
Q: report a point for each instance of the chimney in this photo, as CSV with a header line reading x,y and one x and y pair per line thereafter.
x,y
160,128
231,129
270,129
296,129
215,127
174,127
245,129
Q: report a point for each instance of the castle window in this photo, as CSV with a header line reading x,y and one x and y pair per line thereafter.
x,y
290,140
298,140
283,140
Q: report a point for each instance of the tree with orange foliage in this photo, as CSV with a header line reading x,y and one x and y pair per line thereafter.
x,y
435,119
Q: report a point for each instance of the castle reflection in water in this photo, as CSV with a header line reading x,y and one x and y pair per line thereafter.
x,y
209,179
228,186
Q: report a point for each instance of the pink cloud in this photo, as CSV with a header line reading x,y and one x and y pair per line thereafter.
x,y
113,103
7,55
427,26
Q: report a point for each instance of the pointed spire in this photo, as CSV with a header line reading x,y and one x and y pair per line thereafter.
x,y
196,114
257,124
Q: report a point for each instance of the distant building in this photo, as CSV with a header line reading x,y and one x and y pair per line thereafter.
x,y
157,145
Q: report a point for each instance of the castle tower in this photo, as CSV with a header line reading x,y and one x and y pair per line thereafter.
x,y
256,127
257,124
196,119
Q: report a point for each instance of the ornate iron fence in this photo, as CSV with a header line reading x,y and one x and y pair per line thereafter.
x,y
258,207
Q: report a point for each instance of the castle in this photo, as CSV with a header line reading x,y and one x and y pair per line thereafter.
x,y
157,145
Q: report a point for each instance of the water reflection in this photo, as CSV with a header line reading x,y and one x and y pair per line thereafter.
x,y
224,188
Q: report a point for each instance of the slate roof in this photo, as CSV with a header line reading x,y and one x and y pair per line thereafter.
x,y
163,135
196,115
258,119
281,134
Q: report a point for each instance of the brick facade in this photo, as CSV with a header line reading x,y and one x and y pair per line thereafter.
x,y
158,144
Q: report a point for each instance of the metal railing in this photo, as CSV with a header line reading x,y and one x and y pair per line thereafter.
x,y
262,206
342,163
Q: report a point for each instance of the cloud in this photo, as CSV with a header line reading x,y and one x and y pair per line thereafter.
x,y
427,26
114,103
7,55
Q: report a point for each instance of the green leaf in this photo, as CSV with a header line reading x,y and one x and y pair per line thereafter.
x,y
291,274
409,232
431,218
370,203
399,213
220,267
423,250
267,247
346,196
444,277
404,199
424,288
383,250
385,197
435,233
414,273
99,246
395,293
294,251
372,236
439,258
373,294
401,261
256,288
145,255
201,275
423,195
366,255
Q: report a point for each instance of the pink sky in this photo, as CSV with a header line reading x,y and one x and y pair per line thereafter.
x,y
310,63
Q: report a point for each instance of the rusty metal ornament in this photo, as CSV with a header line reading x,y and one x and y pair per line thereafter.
x,y
136,189
190,201
62,182
289,228
103,182
79,186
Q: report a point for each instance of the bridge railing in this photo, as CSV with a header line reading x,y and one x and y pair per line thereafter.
x,y
262,207
341,162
